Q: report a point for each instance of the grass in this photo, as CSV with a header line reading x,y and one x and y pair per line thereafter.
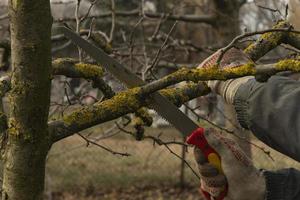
x,y
73,167
70,167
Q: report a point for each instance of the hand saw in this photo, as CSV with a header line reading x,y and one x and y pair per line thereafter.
x,y
159,103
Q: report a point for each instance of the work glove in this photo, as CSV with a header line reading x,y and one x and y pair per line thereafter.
x,y
238,179
232,58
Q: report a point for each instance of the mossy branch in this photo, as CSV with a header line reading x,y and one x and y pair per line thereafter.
x,y
68,67
214,73
133,99
73,69
122,103
267,41
293,39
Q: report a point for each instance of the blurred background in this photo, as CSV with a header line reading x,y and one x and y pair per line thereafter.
x,y
152,38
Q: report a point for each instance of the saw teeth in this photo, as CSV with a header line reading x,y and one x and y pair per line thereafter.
x,y
161,117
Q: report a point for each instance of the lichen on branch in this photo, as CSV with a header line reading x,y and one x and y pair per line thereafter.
x,y
72,68
267,41
121,104
214,73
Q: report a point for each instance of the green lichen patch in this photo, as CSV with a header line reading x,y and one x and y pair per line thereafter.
x,y
175,95
145,116
71,68
13,127
122,103
288,65
267,41
89,70
244,70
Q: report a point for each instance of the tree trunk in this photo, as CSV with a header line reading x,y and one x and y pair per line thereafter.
x,y
27,143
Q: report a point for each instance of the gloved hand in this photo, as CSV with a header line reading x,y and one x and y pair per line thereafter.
x,y
232,58
243,180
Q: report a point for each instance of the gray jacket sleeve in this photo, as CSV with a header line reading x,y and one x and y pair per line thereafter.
x,y
271,111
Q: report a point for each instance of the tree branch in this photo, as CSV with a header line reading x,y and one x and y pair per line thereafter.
x,y
267,42
122,103
89,141
208,19
131,100
72,68
293,39
4,16
213,73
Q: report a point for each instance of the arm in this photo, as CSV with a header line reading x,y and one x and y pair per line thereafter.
x,y
282,184
271,111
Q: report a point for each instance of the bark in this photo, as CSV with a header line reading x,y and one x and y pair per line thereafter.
x,y
121,104
27,143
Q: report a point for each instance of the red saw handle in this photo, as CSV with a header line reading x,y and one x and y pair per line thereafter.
x,y
197,139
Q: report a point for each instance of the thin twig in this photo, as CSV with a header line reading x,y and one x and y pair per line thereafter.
x,y
78,21
160,142
103,147
113,20
187,164
156,58
4,16
268,153
245,35
131,41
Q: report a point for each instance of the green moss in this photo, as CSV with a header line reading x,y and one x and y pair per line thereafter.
x,y
209,73
288,64
266,42
250,48
137,121
123,102
247,69
144,115
67,66
89,70
175,96
275,37
15,4
14,127
214,73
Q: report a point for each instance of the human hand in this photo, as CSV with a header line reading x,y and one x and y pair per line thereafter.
x,y
230,59
239,179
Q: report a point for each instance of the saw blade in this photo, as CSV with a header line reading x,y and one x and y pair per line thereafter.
x,y
159,103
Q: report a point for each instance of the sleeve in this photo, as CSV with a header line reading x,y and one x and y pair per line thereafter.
x,y
282,184
271,111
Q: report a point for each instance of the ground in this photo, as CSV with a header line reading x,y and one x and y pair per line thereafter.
x,y
77,171
135,193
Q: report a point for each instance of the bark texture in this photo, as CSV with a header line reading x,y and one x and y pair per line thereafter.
x,y
27,144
